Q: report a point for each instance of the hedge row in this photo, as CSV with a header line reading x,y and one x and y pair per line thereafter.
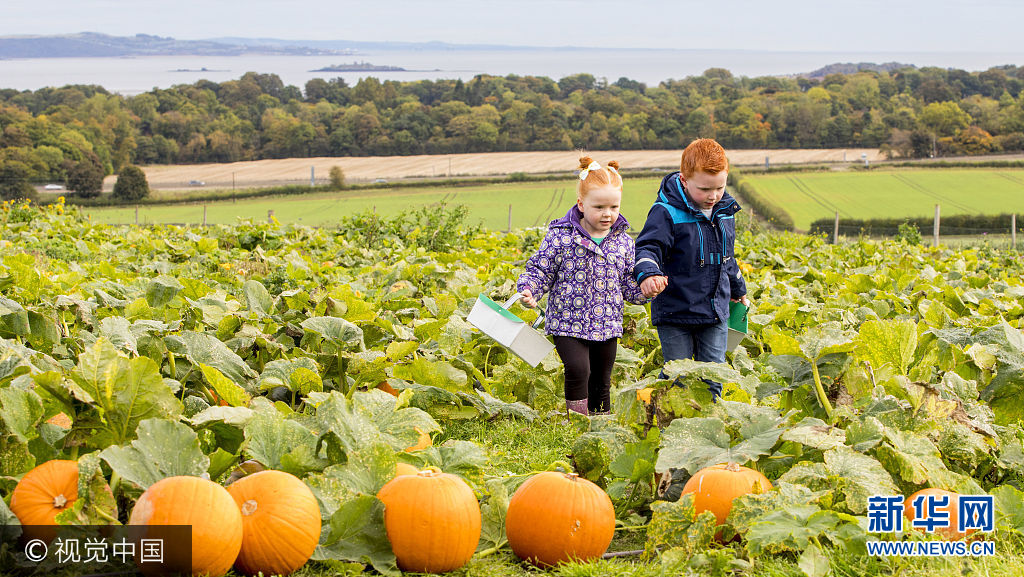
x,y
954,224
765,210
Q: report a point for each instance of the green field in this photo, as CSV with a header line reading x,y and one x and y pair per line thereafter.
x,y
808,196
533,204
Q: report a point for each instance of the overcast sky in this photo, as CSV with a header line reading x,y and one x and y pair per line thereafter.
x,y
992,26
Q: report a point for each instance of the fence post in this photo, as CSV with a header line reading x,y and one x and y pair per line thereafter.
x,y
204,214
935,228
270,216
1013,231
510,218
136,215
835,230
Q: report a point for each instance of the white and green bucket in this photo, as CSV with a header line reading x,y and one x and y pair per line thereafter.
x,y
511,332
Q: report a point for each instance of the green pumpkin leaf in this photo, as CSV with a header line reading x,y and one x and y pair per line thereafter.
x,y
889,342
10,526
163,449
162,290
357,534
790,529
440,374
749,509
678,525
462,458
95,504
206,349
1009,502
281,443
910,457
815,433
825,339
20,411
341,333
119,332
364,473
492,516
693,444
813,562
257,297
228,391
123,393
859,477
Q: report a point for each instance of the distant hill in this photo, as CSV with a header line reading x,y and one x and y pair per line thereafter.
x,y
95,45
851,68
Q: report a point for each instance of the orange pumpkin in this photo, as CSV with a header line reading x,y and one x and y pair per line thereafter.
x,y
405,469
61,420
715,487
42,494
209,509
280,522
432,520
644,395
422,442
387,388
555,517
949,533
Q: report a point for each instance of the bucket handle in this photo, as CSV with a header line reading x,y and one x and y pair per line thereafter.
x,y
515,298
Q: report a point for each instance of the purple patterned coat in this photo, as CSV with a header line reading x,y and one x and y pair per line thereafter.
x,y
587,281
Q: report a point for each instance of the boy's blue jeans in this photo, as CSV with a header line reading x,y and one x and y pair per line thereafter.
x,y
705,343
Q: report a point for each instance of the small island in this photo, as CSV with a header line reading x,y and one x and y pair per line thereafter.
x,y
359,67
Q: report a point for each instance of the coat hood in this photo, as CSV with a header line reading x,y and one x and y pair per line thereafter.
x,y
671,191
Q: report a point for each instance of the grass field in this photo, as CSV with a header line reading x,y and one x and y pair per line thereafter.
x,y
809,196
533,204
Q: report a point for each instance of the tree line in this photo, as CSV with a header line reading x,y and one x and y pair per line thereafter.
x,y
76,134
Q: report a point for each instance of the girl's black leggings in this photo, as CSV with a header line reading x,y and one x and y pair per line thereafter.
x,y
588,370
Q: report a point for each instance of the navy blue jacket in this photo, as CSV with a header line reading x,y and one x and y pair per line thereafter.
x,y
694,252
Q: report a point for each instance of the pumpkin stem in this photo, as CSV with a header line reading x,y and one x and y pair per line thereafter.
x,y
732,467
249,507
60,501
430,472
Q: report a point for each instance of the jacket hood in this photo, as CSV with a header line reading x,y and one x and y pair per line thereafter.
x,y
671,191
575,215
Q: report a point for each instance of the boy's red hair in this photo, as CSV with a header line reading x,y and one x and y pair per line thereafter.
x,y
703,155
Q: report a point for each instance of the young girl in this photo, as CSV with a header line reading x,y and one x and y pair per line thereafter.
x,y
586,262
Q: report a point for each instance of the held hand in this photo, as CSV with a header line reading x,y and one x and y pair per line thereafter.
x,y
528,299
743,299
653,285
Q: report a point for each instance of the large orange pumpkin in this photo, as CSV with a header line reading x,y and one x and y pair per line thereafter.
x,y
280,522
209,509
555,517
432,520
949,533
405,469
715,487
42,494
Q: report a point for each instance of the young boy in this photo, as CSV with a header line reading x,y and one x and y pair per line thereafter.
x,y
684,256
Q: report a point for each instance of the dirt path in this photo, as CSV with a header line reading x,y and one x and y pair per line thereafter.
x,y
369,168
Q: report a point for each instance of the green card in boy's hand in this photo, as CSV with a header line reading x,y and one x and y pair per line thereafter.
x,y
738,316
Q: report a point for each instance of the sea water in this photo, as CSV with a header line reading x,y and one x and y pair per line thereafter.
x,y
135,75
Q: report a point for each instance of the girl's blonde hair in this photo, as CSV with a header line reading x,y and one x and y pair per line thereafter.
x,y
597,178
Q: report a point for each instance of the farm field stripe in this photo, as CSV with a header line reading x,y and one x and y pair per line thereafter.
x,y
802,187
1010,177
937,196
